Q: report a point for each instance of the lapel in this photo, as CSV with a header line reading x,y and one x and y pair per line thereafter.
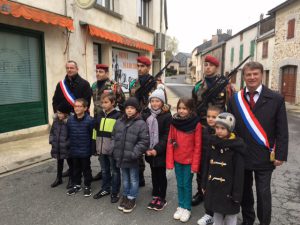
x,y
265,95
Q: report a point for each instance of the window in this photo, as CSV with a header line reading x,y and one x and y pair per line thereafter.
x,y
108,4
144,12
291,29
265,49
252,48
232,55
241,37
241,52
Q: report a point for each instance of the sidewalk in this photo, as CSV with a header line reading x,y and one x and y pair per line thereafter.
x,y
21,153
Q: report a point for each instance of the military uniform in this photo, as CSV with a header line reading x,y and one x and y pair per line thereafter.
x,y
108,86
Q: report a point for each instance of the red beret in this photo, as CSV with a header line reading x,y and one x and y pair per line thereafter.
x,y
102,66
144,60
212,60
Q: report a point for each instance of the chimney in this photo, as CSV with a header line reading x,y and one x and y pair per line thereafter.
x,y
261,17
214,40
219,31
204,40
229,32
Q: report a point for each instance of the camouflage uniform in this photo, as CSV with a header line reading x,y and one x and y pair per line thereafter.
x,y
109,86
220,100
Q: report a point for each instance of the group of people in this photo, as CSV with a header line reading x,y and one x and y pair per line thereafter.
x,y
235,136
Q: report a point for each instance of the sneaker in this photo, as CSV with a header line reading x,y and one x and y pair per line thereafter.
x,y
185,215
129,206
152,203
160,204
123,203
205,220
178,213
101,194
114,198
87,192
74,190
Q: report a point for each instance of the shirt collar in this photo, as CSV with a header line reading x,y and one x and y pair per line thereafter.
x,y
258,90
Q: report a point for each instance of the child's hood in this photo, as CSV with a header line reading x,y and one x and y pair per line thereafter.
x,y
55,118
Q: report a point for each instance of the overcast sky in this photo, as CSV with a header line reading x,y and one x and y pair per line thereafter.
x,y
191,21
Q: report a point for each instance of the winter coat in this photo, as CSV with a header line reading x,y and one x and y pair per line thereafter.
x,y
59,139
104,125
207,133
163,120
80,133
184,147
271,113
78,86
223,176
130,141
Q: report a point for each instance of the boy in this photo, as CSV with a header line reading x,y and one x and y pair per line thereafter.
x,y
212,113
223,174
104,125
131,140
80,128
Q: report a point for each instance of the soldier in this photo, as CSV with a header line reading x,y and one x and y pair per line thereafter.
x,y
105,85
211,66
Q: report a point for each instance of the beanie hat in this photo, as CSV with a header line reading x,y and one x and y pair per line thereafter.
x,y
227,120
64,108
132,101
160,94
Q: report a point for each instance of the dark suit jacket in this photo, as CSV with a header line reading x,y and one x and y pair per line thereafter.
x,y
271,113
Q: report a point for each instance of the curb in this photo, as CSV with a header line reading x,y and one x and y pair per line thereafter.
x,y
24,163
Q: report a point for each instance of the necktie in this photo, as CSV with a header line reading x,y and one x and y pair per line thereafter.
x,y
252,102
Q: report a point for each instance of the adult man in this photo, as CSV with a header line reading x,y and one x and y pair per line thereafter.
x,y
143,66
211,67
104,85
262,123
72,87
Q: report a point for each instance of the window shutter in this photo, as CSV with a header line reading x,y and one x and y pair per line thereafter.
x,y
232,55
265,49
252,48
241,52
291,29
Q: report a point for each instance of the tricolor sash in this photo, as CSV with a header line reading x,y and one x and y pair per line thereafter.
x,y
67,92
252,124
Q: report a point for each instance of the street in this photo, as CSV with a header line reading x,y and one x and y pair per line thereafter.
x,y
26,197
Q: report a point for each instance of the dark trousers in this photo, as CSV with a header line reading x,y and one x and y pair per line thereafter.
x,y
70,164
263,192
82,166
60,167
159,181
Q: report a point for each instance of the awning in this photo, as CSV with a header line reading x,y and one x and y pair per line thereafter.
x,y
37,15
117,38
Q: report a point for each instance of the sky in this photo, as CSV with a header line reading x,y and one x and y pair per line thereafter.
x,y
192,21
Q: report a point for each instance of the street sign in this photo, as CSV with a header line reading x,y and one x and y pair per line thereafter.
x,y
85,4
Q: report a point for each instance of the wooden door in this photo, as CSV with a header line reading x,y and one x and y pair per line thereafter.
x,y
288,85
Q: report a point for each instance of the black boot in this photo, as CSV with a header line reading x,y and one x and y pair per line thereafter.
x,y
197,198
98,176
58,180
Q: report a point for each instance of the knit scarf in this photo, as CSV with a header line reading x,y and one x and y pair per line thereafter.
x,y
153,127
185,124
210,80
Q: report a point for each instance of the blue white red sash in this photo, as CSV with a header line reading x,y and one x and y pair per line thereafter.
x,y
250,120
67,92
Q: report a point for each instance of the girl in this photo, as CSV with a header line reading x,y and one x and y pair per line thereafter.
x,y
59,140
158,118
184,153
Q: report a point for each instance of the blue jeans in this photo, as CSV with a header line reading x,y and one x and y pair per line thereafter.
x,y
111,176
184,178
130,180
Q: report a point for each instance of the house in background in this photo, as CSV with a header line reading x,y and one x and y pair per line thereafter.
x,y
184,60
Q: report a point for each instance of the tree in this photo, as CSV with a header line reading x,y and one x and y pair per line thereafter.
x,y
172,48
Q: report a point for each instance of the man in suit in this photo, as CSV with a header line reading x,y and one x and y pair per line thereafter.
x,y
267,146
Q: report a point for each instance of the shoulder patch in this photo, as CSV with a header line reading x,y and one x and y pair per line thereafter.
x,y
132,83
197,86
94,85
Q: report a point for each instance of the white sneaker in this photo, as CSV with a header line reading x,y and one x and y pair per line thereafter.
x,y
178,213
205,220
185,215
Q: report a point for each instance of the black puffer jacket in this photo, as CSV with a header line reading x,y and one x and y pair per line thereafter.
x,y
59,140
224,175
164,120
130,141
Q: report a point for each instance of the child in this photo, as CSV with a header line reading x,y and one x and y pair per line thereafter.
x,y
103,127
158,118
224,172
80,129
211,116
59,140
184,151
130,140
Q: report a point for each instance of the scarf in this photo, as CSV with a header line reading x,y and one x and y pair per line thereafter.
x,y
143,79
185,124
153,127
100,83
210,80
